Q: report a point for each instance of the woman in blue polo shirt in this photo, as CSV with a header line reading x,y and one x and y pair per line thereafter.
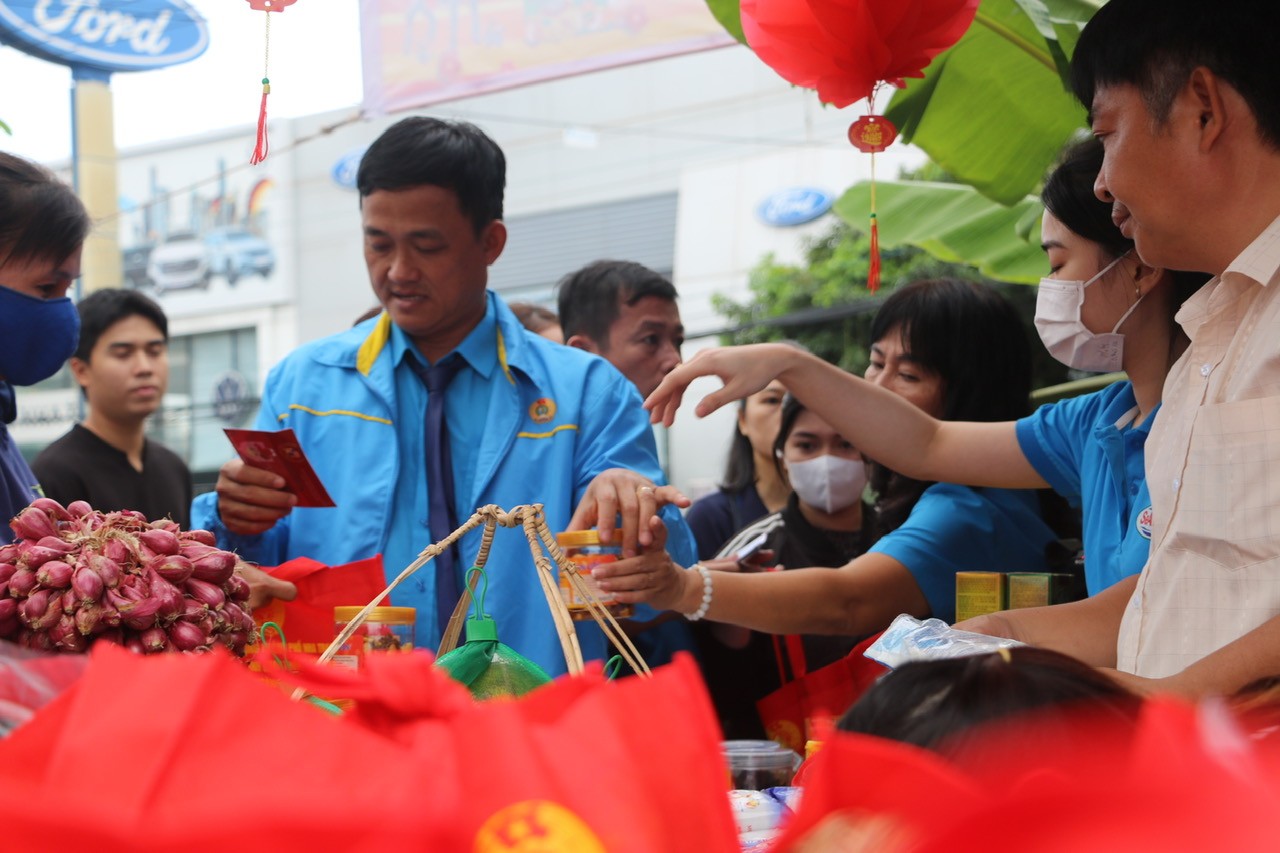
x,y
949,350
1101,309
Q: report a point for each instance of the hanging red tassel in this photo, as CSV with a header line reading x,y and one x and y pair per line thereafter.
x,y
261,146
871,134
873,269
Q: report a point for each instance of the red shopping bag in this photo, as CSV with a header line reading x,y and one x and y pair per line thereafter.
x,y
809,705
307,621
1182,778
592,764
195,752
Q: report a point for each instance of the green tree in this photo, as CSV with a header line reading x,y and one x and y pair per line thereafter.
x,y
825,305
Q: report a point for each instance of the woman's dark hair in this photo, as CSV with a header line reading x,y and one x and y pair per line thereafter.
x,y
791,410
740,471
932,704
1068,195
40,217
973,339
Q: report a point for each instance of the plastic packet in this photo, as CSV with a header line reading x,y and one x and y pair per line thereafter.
x,y
30,679
909,639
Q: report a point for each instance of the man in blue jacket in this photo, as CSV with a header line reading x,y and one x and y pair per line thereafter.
x,y
527,421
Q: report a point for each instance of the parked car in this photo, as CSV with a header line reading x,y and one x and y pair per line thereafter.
x,y
135,259
180,262
235,252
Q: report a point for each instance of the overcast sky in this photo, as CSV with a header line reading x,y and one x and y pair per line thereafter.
x,y
314,67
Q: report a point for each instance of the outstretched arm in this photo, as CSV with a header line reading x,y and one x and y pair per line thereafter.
x,y
882,425
862,597
1087,630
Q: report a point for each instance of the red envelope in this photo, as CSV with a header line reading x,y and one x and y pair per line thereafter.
x,y
280,453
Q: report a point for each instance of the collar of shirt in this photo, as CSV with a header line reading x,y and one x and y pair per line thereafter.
x,y
1259,264
479,349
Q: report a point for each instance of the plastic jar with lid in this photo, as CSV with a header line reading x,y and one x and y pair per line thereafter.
x,y
754,765
583,548
387,629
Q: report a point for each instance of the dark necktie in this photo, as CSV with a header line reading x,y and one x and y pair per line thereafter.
x,y
440,514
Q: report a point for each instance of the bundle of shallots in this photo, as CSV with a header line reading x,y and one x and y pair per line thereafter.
x,y
76,575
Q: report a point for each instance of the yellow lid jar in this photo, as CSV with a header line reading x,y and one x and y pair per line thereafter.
x,y
387,629
584,549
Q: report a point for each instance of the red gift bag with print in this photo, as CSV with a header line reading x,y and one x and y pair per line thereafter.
x,y
808,706
197,753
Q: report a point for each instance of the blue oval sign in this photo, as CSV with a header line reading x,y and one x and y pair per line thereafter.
x,y
348,165
794,206
113,35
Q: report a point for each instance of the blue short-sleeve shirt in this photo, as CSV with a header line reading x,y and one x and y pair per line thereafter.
x,y
1089,451
962,529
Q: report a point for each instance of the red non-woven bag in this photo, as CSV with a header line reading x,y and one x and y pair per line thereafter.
x,y
198,753
195,752
627,765
307,621
1182,778
808,705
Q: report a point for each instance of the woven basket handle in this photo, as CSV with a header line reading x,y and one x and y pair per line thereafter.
x,y
539,537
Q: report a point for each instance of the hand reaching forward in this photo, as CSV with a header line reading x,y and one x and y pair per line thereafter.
x,y
744,370
634,498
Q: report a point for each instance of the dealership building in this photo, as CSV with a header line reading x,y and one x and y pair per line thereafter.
x,y
697,165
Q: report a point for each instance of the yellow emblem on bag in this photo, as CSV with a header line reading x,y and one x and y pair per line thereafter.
x,y
536,826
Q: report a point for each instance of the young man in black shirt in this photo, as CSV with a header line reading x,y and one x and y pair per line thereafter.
x,y
122,366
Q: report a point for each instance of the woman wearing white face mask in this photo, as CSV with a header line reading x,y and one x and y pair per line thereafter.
x,y
820,524
1089,448
942,351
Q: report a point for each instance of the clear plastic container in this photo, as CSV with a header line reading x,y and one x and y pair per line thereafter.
x,y
583,548
758,764
387,629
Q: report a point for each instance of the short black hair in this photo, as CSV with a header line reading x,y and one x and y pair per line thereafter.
x,y
454,155
1154,45
589,299
934,704
533,316
41,218
102,309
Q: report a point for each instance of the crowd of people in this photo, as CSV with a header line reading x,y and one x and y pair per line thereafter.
x,y
862,497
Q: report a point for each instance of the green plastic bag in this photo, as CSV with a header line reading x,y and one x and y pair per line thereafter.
x,y
485,666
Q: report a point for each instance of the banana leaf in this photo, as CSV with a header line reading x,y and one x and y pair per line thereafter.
x,y
954,223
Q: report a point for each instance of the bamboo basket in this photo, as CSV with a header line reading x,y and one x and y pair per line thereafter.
x,y
546,552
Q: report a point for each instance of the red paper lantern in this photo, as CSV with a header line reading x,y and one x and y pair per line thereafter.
x,y
844,48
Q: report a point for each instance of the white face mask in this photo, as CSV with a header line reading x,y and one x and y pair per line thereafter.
x,y
830,483
1058,306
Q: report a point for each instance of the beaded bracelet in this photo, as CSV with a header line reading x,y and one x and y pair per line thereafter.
x,y
706,593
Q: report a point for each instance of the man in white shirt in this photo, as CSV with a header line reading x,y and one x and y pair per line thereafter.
x,y
1185,97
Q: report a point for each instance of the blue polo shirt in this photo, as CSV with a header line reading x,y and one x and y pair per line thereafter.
x,y
962,529
17,484
1088,449
466,411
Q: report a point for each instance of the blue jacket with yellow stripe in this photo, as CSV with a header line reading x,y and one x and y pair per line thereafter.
x,y
338,395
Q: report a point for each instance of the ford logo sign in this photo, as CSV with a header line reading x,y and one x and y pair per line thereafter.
x,y
794,206
344,171
112,35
